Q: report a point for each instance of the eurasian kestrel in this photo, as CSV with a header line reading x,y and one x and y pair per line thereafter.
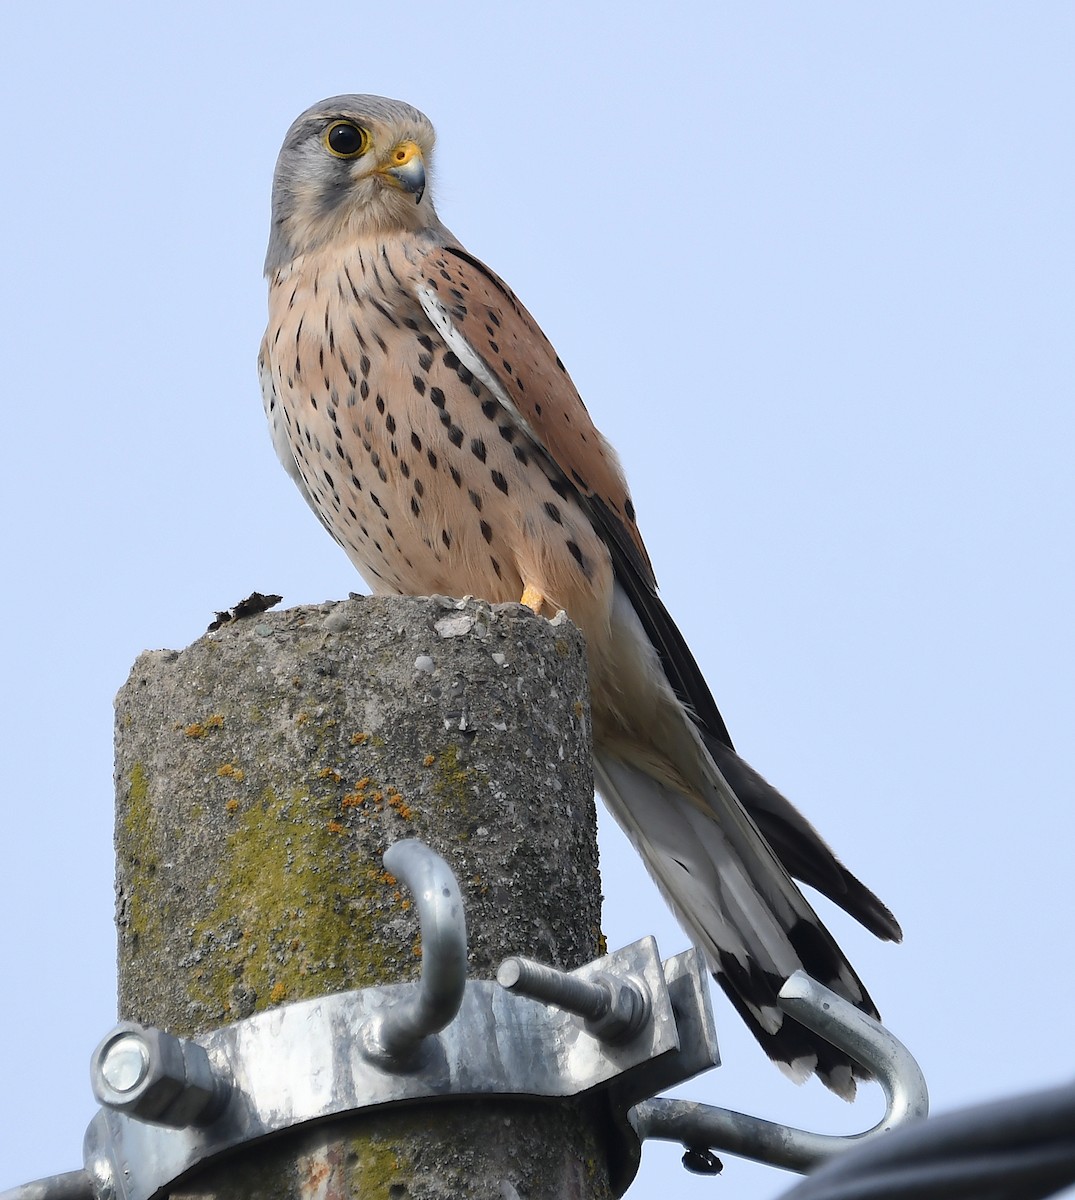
x,y
432,428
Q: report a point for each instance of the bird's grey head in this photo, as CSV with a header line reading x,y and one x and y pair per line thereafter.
x,y
350,167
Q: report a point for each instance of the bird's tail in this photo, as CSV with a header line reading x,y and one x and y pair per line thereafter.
x,y
732,893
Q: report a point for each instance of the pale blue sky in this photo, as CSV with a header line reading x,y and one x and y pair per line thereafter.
x,y
811,267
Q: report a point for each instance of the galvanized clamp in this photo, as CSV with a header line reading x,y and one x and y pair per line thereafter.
x,y
626,1025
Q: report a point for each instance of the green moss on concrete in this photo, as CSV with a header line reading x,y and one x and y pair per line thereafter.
x,y
139,921
293,916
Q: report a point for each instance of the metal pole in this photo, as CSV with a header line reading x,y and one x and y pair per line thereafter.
x,y
261,774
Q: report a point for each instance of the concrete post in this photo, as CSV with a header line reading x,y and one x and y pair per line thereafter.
x,y
262,772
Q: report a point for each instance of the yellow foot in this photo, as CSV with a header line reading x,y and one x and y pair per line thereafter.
x,y
532,598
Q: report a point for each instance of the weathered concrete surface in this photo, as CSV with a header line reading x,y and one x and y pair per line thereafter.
x,y
262,772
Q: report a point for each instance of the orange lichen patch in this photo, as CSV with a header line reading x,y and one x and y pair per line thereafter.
x,y
577,708
232,806
329,773
231,771
201,729
336,827
277,993
359,739
401,806
302,718
429,760
296,682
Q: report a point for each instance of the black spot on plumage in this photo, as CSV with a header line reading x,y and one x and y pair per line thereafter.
x,y
446,538
492,314
520,454
419,384
419,487
494,347
432,459
355,484
487,531
437,396
393,449
367,423
416,508
380,403
425,341
375,458
477,448
451,360
425,361
457,479
499,481
553,512
416,441
455,435
390,423
507,366
364,390
476,500
404,470
577,554
496,567
507,432
537,410
490,408
387,313
328,480
364,364
629,509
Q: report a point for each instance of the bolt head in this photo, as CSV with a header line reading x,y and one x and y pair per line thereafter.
x,y
125,1062
154,1076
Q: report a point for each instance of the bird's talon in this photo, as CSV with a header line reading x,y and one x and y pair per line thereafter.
x,y
532,598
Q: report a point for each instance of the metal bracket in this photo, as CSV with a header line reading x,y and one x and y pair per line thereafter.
x,y
164,1115
626,1025
703,1127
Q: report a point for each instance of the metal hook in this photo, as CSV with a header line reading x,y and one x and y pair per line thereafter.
x,y
393,1037
838,1021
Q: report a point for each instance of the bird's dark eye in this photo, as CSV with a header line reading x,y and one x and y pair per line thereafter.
x,y
345,140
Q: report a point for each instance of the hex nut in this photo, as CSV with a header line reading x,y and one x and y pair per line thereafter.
x,y
173,1085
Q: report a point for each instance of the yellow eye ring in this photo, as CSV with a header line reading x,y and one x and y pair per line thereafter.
x,y
345,140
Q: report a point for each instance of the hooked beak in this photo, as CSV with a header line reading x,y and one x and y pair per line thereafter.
x,y
406,170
